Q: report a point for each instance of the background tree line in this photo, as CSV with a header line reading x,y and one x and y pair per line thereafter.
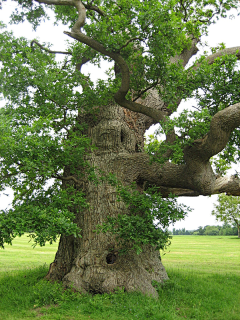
x,y
224,230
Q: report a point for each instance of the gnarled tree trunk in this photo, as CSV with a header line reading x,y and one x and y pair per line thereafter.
x,y
92,263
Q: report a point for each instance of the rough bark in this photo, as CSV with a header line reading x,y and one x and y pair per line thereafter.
x,y
92,263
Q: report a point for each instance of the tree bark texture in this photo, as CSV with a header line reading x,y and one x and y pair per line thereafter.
x,y
93,263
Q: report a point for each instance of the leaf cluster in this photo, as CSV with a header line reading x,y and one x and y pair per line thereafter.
x,y
189,126
30,11
40,138
44,214
227,209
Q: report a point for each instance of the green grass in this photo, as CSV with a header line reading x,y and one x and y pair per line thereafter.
x,y
204,254
204,285
21,255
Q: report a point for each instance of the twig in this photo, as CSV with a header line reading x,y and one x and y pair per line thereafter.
x,y
48,50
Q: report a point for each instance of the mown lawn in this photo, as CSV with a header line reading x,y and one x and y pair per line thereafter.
x,y
204,254
204,285
21,255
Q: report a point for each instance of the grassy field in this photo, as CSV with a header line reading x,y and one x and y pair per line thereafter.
x,y
204,285
21,256
204,254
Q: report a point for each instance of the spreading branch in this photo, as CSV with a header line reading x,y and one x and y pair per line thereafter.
x,y
48,50
211,58
120,95
95,8
222,124
181,180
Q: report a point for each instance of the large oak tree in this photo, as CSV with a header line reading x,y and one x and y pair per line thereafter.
x,y
74,151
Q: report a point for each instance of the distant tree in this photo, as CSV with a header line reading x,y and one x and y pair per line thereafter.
x,y
211,231
195,233
228,210
182,231
228,230
200,230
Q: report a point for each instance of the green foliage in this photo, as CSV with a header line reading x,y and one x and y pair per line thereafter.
x,y
215,87
30,11
189,126
40,139
221,164
44,214
211,231
218,83
149,217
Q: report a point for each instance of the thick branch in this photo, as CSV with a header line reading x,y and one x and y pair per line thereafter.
x,y
222,124
76,3
181,180
228,51
120,95
80,64
229,185
197,174
81,16
137,167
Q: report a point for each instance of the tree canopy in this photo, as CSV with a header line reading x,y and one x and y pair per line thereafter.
x,y
150,43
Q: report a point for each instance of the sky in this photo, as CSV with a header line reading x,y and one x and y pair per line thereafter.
x,y
225,30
